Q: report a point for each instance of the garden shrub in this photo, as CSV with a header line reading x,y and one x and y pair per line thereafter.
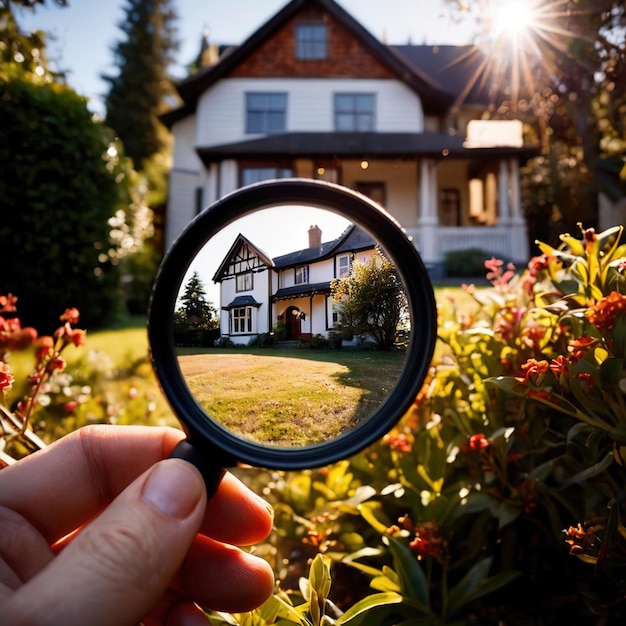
x,y
508,466
57,192
499,497
468,263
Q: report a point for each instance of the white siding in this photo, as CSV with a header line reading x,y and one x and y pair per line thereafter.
x,y
184,154
221,110
181,203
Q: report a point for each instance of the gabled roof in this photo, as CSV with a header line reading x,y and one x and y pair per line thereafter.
x,y
452,66
238,243
352,239
434,97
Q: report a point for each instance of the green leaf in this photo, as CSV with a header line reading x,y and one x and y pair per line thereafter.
x,y
412,579
463,591
368,603
373,515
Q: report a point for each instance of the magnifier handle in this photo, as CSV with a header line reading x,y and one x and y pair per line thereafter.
x,y
211,471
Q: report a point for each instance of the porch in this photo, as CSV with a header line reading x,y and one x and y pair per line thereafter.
x,y
503,242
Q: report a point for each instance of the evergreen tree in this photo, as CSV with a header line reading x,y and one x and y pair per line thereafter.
x,y
26,50
194,305
137,94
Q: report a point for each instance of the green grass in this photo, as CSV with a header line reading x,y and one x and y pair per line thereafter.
x,y
289,397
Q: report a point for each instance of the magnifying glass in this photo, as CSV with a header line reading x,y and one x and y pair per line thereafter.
x,y
327,326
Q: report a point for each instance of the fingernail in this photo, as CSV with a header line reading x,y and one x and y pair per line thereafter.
x,y
173,488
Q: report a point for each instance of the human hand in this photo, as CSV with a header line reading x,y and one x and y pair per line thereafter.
x,y
99,529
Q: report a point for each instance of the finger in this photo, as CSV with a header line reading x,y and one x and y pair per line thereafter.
x,y
122,563
23,551
221,577
76,477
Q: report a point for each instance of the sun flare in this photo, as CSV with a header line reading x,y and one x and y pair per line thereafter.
x,y
512,17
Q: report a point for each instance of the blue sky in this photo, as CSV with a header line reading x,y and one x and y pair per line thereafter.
x,y
85,32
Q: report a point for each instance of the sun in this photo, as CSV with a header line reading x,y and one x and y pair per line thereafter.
x,y
512,17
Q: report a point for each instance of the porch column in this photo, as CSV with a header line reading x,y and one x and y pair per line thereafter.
x,y
228,177
428,220
516,194
519,235
212,183
504,217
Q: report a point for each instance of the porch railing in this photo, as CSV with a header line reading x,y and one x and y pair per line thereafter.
x,y
504,242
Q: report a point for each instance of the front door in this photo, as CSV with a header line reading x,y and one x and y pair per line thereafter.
x,y
293,323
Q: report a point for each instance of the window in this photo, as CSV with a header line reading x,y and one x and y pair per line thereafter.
x,y
302,274
449,207
244,282
199,200
250,175
344,266
242,319
311,42
355,112
266,112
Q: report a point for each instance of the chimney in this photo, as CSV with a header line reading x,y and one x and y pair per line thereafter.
x,y
315,236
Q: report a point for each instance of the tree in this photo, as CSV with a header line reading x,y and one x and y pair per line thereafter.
x,y
563,75
26,50
137,94
195,320
57,192
371,301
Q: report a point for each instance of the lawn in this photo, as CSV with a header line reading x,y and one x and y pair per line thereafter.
x,y
289,397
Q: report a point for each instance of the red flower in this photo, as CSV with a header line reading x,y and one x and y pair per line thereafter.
x,y
397,441
70,315
7,303
478,442
6,380
560,366
603,314
535,371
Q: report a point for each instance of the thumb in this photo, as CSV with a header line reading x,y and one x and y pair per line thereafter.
x,y
118,567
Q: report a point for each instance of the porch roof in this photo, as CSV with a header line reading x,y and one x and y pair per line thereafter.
x,y
357,144
298,291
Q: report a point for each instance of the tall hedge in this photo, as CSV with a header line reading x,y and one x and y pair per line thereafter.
x,y
56,196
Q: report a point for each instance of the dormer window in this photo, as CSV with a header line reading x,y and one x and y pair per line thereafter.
x,y
311,42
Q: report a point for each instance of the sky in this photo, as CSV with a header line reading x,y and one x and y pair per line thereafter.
x,y
85,32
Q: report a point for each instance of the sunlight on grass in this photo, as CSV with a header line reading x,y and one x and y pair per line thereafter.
x,y
289,400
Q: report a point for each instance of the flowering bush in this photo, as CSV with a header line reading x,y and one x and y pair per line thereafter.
x,y
510,459
55,398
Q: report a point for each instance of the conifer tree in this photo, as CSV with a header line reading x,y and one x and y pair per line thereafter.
x,y
137,94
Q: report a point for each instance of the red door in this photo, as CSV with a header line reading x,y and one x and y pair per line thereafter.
x,y
293,323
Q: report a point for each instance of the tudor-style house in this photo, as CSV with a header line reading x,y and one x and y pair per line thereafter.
x,y
313,94
256,291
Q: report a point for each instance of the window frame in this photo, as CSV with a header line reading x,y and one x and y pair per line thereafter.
x,y
251,174
310,46
301,275
350,115
241,280
262,109
241,315
340,258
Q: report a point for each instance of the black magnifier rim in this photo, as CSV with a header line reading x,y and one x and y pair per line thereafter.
x,y
209,436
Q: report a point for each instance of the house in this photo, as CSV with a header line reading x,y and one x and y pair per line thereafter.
x,y
257,291
313,94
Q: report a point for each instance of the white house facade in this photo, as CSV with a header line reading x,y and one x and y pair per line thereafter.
x,y
257,292
313,94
